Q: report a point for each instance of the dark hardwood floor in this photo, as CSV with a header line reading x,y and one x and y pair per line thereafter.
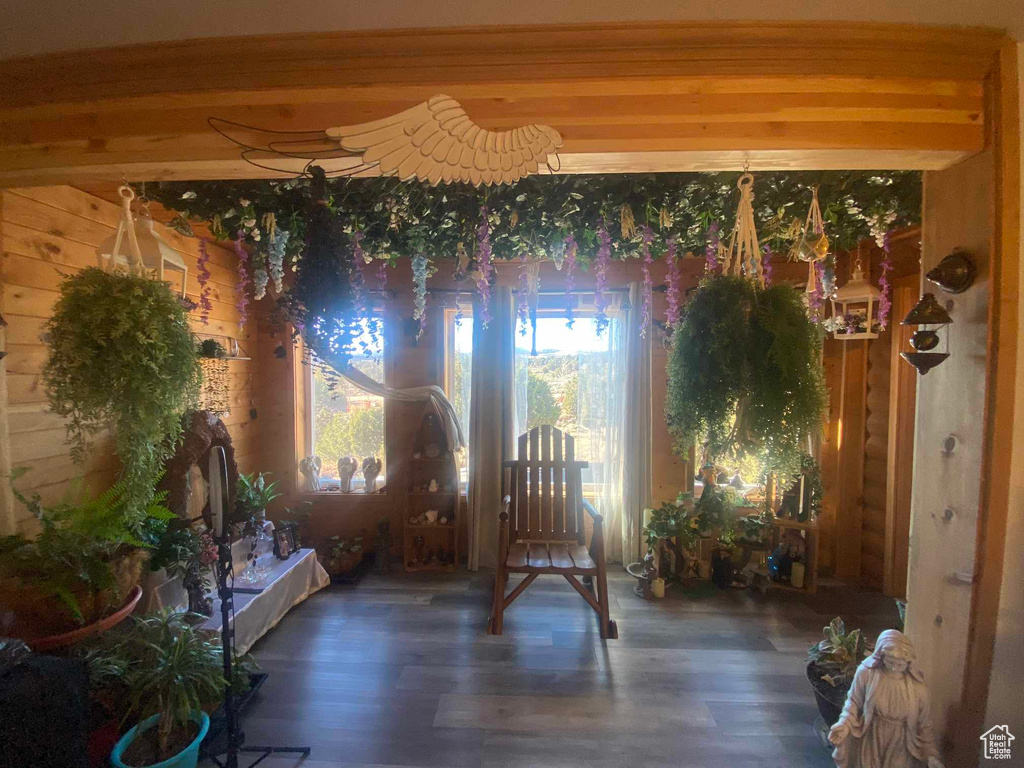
x,y
399,671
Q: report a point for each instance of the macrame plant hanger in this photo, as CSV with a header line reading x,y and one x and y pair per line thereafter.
x,y
743,254
813,245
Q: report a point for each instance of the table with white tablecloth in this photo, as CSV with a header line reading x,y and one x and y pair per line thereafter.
x,y
263,604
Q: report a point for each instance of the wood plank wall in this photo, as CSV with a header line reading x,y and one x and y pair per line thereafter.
x,y
866,516
47,231
876,448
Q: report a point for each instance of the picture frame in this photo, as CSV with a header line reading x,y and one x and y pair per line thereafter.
x,y
284,542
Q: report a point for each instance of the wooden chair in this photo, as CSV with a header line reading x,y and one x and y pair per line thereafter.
x,y
541,526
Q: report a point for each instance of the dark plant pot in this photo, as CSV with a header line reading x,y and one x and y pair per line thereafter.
x,y
830,699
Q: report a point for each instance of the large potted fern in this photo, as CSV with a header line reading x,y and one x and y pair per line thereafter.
x,y
80,574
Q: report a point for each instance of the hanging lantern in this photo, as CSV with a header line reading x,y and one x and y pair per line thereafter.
x,y
925,340
138,246
213,392
855,308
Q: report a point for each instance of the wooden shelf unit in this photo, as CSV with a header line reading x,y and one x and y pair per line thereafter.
x,y
424,543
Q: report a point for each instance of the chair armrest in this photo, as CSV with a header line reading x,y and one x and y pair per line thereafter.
x,y
594,514
505,504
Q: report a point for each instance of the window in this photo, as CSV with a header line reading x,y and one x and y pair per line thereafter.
x,y
345,421
575,382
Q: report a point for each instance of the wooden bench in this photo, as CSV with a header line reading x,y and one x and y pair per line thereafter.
x,y
541,526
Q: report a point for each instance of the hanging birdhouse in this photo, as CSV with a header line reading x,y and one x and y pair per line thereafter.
x,y
138,246
925,341
855,308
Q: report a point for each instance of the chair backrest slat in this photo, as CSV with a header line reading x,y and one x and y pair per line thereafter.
x,y
558,505
546,501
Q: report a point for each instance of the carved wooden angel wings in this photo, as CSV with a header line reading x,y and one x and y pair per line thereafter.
x,y
434,142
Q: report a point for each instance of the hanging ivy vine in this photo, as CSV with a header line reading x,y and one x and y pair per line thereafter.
x,y
537,214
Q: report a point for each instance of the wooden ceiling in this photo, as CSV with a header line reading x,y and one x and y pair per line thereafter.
x,y
625,97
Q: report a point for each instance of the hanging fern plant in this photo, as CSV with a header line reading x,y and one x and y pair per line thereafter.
x,y
122,355
744,374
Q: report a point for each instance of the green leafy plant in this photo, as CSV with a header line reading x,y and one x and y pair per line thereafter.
x,y
838,654
122,354
79,540
211,348
744,373
163,664
253,495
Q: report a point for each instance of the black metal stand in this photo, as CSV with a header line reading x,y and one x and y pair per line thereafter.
x,y
235,737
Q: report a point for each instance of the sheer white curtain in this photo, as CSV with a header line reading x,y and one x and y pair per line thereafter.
x,y
588,376
491,425
635,425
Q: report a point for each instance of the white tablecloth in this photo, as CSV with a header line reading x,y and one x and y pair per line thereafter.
x,y
289,583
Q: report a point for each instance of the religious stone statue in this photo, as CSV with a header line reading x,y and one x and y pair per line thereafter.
x,y
347,467
310,469
885,722
371,468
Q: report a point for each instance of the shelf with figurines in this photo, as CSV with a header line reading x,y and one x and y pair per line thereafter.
x,y
432,503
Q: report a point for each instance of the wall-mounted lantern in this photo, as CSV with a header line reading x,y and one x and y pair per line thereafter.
x,y
927,312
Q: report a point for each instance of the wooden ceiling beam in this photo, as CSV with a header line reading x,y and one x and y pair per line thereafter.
x,y
785,93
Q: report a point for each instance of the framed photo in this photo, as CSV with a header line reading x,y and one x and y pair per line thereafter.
x,y
284,542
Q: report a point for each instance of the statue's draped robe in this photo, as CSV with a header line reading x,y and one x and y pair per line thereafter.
x,y
888,717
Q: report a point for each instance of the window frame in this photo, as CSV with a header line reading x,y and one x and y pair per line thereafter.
x,y
308,438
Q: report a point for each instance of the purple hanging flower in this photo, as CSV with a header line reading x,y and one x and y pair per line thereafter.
x,y
242,289
203,276
711,251
766,265
648,285
523,296
601,264
483,257
885,301
672,296
570,279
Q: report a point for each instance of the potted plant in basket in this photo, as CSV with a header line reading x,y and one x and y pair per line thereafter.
x,y
831,664
75,576
164,670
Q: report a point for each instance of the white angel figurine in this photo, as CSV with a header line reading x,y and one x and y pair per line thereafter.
x,y
885,722
347,467
310,469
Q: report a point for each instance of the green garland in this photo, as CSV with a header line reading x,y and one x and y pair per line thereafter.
x,y
744,373
534,216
